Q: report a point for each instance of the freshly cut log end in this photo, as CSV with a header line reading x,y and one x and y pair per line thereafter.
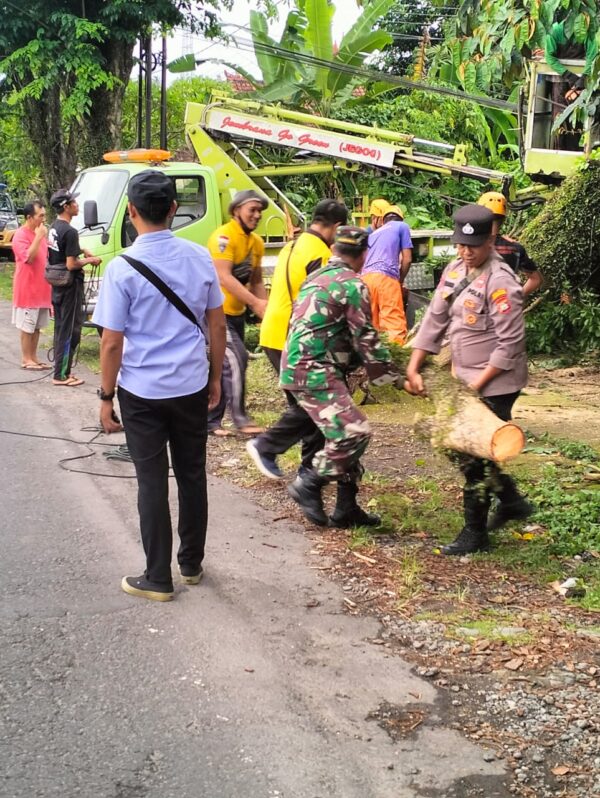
x,y
465,424
508,441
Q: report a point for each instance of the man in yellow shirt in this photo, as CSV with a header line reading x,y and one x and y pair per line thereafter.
x,y
237,254
296,261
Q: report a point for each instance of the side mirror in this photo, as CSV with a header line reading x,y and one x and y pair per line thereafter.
x,y
90,213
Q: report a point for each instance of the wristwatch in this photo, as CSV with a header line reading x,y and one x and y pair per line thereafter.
x,y
105,397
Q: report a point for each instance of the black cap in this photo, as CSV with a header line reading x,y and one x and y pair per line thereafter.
x,y
472,225
60,198
151,188
351,237
248,195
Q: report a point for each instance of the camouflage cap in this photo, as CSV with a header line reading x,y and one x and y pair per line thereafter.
x,y
352,237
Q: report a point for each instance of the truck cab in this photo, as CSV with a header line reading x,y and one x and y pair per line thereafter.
x,y
103,222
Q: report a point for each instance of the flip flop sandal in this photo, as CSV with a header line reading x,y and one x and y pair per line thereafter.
x,y
251,429
33,367
70,382
44,365
219,432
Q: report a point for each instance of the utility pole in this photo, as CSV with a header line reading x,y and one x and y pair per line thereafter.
x,y
148,62
140,98
148,76
163,94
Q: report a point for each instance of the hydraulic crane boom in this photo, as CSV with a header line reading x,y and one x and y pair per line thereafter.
x,y
349,144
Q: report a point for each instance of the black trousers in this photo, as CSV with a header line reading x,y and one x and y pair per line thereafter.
x,y
149,425
68,320
294,425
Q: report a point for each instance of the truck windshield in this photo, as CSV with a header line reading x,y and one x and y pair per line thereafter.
x,y
104,186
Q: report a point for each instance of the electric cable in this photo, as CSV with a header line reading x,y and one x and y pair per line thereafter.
x,y
92,442
27,382
119,452
247,45
252,47
88,444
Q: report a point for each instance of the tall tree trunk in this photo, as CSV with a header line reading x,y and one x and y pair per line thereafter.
x,y
103,125
56,146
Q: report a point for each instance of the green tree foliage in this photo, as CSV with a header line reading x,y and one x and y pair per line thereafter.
x,y
485,45
407,22
20,165
66,65
180,92
564,239
428,200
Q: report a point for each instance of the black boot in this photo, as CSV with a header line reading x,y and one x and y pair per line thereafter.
x,y
473,536
511,505
306,491
347,512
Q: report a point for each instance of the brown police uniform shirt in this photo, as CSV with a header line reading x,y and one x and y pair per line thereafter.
x,y
485,325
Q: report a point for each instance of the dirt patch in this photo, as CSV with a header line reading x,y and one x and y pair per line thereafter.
x,y
517,667
565,402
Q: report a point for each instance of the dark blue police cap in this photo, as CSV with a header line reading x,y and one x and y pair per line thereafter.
x,y
472,225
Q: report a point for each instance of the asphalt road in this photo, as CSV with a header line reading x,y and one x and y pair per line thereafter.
x,y
253,684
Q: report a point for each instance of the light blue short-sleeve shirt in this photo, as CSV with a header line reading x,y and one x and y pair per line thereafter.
x,y
164,353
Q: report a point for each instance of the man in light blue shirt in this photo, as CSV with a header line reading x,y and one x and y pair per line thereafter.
x,y
166,382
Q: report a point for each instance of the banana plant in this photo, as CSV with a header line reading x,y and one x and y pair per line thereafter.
x,y
312,81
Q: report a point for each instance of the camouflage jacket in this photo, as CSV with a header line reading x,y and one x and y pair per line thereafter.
x,y
331,333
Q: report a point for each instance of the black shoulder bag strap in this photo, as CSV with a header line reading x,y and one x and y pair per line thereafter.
x,y
287,272
164,289
464,283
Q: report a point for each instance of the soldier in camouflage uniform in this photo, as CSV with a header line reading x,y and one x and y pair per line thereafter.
x,y
330,334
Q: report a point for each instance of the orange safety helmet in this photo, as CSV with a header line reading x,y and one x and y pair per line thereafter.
x,y
379,207
494,201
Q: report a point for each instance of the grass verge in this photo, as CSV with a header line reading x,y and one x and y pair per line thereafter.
x,y
6,280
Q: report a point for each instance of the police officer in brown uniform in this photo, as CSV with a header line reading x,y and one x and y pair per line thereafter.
x,y
479,304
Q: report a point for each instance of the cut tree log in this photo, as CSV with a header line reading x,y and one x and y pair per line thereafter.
x,y
463,423
473,429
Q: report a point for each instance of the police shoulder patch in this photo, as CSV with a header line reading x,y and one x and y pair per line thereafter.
x,y
499,295
223,243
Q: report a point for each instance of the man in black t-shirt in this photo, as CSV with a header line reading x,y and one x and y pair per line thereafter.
x,y
510,250
64,249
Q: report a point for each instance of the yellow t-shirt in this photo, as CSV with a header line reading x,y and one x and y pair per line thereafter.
x,y
309,253
244,250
